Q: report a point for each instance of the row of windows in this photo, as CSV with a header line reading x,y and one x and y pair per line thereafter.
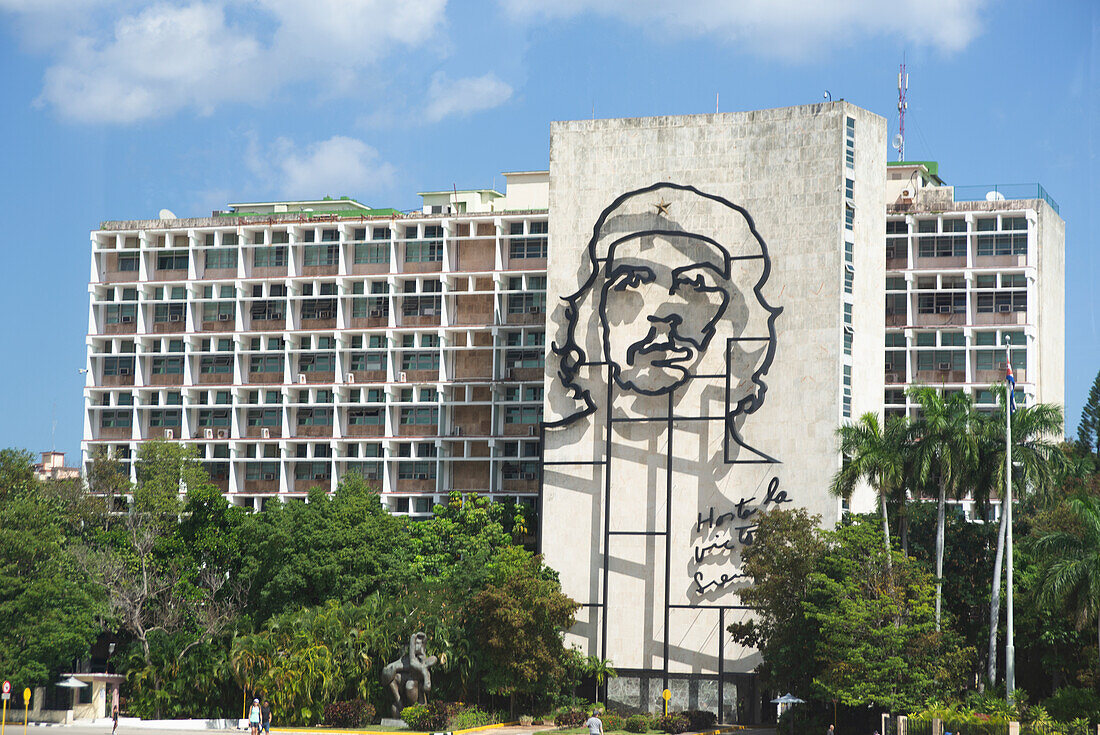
x,y
955,303
1007,223
377,251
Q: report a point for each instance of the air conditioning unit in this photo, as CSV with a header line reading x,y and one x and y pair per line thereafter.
x,y
402,377
1004,308
224,317
265,433
223,433
534,310
532,431
301,377
943,366
269,476
125,319
349,378
124,371
374,313
907,193
891,377
169,434
208,433
944,309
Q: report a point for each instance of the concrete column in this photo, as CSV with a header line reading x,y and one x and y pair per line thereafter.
x,y
937,727
903,725
1014,728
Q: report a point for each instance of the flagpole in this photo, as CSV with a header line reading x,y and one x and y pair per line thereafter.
x,y
1010,645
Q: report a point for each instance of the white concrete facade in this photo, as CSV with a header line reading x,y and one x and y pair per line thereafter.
x,y
740,375
965,277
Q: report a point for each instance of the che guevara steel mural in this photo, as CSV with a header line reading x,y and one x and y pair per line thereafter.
x,y
670,332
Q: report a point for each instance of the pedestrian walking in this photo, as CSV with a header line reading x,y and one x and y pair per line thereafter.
x,y
114,719
594,724
254,718
265,716
830,731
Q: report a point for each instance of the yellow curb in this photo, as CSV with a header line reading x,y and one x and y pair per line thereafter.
x,y
386,732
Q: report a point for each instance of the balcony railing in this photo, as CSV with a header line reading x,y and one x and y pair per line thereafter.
x,y
996,192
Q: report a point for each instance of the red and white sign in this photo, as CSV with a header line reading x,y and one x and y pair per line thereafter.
x,y
7,687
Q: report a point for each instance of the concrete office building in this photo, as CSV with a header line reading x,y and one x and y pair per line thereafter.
x,y
656,339
294,342
966,278
725,319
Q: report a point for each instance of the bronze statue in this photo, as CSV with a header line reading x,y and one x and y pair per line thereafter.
x,y
411,674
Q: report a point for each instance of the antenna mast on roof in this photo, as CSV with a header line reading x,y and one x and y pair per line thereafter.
x,y
903,105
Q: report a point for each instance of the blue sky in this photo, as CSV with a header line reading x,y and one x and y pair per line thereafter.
x,y
117,108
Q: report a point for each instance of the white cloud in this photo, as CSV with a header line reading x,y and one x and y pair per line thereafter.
x,y
785,28
168,56
334,167
464,96
158,61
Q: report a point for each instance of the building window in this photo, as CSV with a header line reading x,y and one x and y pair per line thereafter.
x,y
321,255
847,392
530,302
419,416
120,419
269,257
372,252
172,260
214,417
317,362
1002,302
849,189
264,416
128,263
941,246
168,418
223,257
523,415
216,365
534,246
366,416
941,303
314,417
118,366
167,366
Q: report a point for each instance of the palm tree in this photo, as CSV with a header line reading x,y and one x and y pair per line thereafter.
x,y
601,669
946,449
1070,571
875,454
1036,461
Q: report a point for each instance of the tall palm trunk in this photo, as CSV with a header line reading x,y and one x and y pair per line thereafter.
x,y
995,595
941,518
886,532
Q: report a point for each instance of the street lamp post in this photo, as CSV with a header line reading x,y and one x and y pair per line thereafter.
x,y
1010,405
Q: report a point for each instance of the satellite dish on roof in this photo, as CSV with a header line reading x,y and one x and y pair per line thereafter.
x,y
167,214
994,196
898,140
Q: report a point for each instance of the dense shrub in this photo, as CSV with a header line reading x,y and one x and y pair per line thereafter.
x,y
612,721
700,719
352,713
571,718
472,716
1070,702
674,723
636,723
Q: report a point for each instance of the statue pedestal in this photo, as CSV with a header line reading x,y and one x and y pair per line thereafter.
x,y
391,722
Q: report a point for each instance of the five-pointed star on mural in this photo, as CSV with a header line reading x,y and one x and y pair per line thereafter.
x,y
662,206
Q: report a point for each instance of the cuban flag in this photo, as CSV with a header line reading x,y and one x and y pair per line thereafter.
x,y
1011,380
